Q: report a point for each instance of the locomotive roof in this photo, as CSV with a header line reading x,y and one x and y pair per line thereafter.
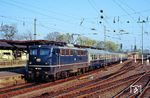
x,y
65,47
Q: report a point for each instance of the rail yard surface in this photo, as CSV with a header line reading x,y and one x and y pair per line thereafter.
x,y
76,49
117,80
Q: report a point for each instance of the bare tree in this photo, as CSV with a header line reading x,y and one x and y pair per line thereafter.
x,y
8,31
24,36
54,36
28,36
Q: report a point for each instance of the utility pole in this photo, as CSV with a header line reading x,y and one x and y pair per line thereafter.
x,y
143,21
105,44
35,29
104,37
102,18
142,40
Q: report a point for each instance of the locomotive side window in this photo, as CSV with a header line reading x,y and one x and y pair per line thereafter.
x,y
44,51
33,51
79,52
63,52
82,52
67,51
71,52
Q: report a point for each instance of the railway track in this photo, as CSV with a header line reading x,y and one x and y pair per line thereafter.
x,y
16,87
82,82
145,93
14,91
135,88
95,89
75,89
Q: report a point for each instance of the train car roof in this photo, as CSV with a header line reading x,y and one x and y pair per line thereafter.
x,y
95,51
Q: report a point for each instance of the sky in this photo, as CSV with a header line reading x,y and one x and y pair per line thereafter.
x,y
81,17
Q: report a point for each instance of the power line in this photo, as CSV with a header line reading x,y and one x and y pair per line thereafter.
x,y
33,11
95,9
47,10
135,12
123,9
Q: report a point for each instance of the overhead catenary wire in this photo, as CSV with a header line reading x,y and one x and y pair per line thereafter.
x,y
123,9
42,14
46,10
37,12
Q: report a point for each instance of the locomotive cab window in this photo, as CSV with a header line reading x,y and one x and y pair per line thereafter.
x,y
44,51
33,51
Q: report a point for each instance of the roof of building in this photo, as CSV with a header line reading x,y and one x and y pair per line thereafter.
x,y
5,45
23,44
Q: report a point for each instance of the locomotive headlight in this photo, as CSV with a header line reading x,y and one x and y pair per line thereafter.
x,y
30,62
38,68
46,72
38,60
29,72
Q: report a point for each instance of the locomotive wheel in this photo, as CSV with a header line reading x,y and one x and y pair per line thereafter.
x,y
83,70
86,69
58,75
65,74
79,71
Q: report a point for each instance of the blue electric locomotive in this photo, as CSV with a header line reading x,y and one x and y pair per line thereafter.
x,y
54,62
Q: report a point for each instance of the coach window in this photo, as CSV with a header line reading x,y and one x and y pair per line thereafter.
x,y
92,57
95,57
100,57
